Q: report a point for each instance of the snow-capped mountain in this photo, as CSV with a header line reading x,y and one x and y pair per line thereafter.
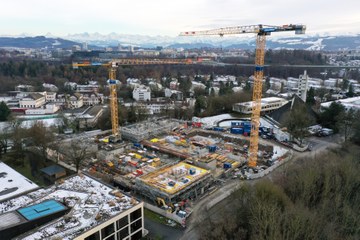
x,y
247,41
244,42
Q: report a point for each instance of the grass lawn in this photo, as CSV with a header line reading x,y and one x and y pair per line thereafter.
x,y
24,170
157,217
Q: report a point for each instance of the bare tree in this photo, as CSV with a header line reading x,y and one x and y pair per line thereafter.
x,y
77,153
40,138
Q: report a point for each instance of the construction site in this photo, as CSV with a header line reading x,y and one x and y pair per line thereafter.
x,y
171,163
177,162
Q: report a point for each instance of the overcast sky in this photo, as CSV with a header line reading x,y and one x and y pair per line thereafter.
x,y
169,17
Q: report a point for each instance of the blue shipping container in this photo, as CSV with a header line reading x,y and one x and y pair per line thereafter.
x,y
246,124
235,124
237,130
219,129
212,148
227,165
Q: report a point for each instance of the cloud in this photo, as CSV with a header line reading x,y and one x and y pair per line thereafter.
x,y
169,17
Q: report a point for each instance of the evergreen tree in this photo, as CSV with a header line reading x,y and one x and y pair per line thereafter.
x,y
329,117
310,96
199,105
350,93
4,111
247,86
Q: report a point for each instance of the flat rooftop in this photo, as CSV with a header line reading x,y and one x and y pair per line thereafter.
x,y
267,100
174,178
13,183
353,102
87,197
41,209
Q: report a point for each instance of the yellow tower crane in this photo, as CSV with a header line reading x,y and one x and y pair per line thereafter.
x,y
261,31
112,66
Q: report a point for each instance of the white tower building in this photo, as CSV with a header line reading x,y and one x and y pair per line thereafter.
x,y
303,86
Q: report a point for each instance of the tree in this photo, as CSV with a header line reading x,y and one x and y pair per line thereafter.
x,y
212,92
345,85
355,138
131,114
4,112
350,93
200,104
5,136
297,122
40,138
185,85
77,153
267,84
329,119
345,122
310,96
247,87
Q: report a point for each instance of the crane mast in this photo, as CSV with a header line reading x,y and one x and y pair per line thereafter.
x,y
261,31
114,103
112,66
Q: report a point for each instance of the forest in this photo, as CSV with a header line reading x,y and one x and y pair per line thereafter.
x,y
315,197
36,72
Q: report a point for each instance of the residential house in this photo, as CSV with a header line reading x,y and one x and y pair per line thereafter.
x,y
32,100
142,93
76,100
174,94
91,99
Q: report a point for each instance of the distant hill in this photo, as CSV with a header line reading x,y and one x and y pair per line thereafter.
x,y
328,43
36,42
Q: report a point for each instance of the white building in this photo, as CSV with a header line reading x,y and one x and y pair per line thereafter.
x,y
92,86
174,94
174,84
197,85
349,103
76,100
225,79
79,207
303,86
152,107
142,93
49,109
50,97
292,83
91,99
32,100
70,85
133,82
24,88
11,179
330,83
267,105
50,87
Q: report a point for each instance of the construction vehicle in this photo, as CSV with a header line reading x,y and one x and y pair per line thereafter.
x,y
161,203
261,31
112,66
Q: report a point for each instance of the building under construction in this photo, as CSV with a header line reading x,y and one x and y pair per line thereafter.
x,y
148,129
174,183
